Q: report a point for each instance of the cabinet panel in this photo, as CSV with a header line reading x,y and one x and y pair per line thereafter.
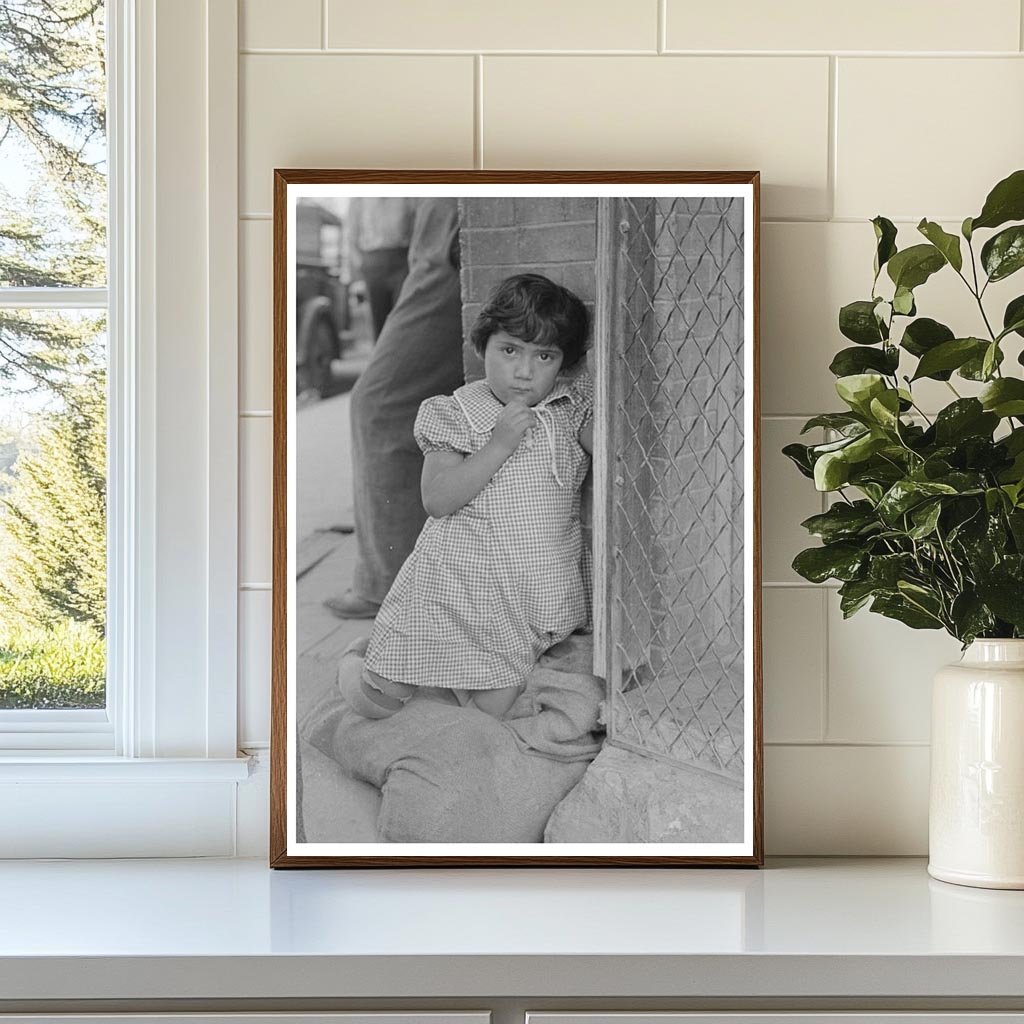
x,y
361,1017
775,1018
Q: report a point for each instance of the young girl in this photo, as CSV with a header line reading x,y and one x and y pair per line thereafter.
x,y
498,574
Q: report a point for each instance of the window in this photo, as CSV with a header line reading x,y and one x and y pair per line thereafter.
x,y
154,772
53,371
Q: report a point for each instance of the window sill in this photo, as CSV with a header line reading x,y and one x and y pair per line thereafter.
x,y
76,806
75,766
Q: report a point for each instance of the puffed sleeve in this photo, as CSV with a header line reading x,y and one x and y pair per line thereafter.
x,y
441,426
582,390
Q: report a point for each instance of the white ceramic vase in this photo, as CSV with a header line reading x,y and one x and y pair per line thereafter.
x,y
976,812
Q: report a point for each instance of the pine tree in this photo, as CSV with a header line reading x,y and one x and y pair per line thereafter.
x,y
53,234
53,519
53,118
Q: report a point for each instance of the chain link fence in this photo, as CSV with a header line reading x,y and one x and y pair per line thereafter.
x,y
669,613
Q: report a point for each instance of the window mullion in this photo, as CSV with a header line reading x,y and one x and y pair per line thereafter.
x,y
53,298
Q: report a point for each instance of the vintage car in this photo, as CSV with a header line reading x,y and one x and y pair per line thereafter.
x,y
323,327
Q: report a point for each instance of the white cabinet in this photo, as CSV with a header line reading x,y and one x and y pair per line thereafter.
x,y
775,1018
362,1017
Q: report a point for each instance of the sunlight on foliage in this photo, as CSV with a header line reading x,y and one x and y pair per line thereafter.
x,y
53,210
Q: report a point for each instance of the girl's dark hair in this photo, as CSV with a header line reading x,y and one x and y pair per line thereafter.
x,y
534,309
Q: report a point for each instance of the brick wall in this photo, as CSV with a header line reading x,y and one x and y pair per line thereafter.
x,y
553,236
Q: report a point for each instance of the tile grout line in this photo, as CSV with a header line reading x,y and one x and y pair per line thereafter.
x,y
833,134
826,651
1020,24
662,42
851,744
478,111
768,55
323,24
825,723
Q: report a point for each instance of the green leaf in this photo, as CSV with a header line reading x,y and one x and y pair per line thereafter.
x,y
885,409
991,360
974,368
1013,318
1004,397
947,244
855,594
964,482
1015,492
887,570
912,267
923,335
966,229
996,499
1015,519
966,417
857,321
1005,597
1014,441
1005,202
950,355
850,361
885,236
900,609
925,518
906,494
1003,254
841,561
863,447
844,422
843,521
799,455
831,471
903,302
971,617
858,389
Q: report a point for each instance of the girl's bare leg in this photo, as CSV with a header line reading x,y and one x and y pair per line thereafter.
x,y
495,703
367,693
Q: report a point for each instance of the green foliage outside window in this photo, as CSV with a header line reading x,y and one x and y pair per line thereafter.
x,y
52,365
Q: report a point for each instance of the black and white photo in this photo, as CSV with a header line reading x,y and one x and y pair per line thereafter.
x,y
516,564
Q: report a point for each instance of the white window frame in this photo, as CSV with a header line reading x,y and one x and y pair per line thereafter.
x,y
171,719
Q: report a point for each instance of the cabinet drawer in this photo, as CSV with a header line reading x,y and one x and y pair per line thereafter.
x,y
359,1017
853,1017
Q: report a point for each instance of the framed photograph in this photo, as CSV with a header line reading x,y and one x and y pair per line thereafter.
x,y
516,554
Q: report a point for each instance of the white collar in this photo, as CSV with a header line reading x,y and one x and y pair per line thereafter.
x,y
482,407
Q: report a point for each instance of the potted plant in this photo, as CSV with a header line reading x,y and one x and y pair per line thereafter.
x,y
926,524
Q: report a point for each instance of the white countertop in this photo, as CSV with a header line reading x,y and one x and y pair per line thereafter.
x,y
234,929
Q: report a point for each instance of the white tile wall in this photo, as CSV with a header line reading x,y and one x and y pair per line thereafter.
x,y
794,664
919,122
964,112
472,25
693,113
331,110
874,25
256,353
879,678
261,25
254,621
255,493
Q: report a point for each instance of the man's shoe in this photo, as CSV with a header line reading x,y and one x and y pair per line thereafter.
x,y
351,606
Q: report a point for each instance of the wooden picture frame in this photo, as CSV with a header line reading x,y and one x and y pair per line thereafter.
x,y
668,265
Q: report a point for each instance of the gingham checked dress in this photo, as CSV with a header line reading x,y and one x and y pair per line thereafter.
x,y
490,587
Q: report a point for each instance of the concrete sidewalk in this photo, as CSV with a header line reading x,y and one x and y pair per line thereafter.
x,y
334,807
